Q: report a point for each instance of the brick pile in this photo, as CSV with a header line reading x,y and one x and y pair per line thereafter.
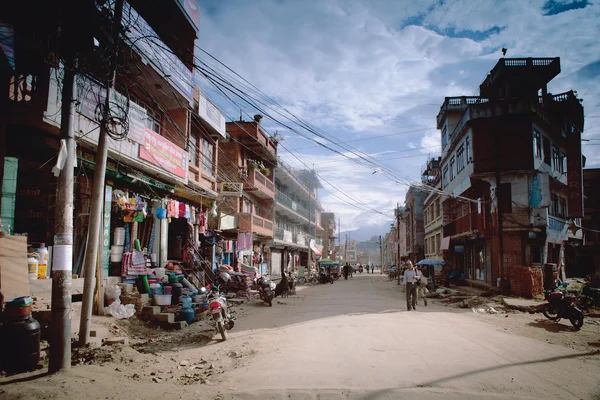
x,y
526,281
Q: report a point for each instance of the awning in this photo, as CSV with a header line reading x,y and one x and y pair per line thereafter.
x,y
445,243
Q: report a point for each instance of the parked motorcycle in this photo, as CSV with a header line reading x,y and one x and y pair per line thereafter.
x,y
266,289
232,282
590,297
220,311
561,306
325,277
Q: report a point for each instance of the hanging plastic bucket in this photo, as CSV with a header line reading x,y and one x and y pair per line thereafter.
x,y
161,213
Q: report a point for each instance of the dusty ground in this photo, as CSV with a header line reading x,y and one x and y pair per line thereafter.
x,y
349,340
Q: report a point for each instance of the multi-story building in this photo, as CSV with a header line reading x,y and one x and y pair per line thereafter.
x,y
511,164
587,260
247,163
295,205
170,148
349,252
329,234
432,211
414,220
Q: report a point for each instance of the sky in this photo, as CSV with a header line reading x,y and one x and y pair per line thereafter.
x,y
371,75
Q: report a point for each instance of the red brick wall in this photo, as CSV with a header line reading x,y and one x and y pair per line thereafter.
x,y
526,281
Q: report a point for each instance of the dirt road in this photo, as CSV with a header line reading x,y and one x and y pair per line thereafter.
x,y
349,340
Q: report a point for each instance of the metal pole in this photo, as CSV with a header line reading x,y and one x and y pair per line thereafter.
x,y
96,214
309,230
62,265
380,256
398,233
340,239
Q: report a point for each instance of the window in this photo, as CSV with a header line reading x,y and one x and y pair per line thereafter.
x,y
246,206
153,117
193,150
437,208
445,176
444,137
563,207
563,163
208,154
556,164
546,147
460,158
505,197
537,144
467,150
452,170
554,207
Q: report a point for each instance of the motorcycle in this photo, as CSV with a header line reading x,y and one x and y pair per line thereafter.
x,y
560,306
590,297
220,311
266,289
325,277
232,282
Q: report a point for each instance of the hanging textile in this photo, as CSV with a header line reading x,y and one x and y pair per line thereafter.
x,y
248,240
151,244
127,238
241,241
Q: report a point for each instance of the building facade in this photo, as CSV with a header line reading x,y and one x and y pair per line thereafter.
x,y
432,211
511,164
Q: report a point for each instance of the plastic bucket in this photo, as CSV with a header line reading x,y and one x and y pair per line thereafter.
x,y
161,213
119,236
162,299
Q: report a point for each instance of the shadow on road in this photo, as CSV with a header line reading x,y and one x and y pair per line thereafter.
x,y
28,378
551,326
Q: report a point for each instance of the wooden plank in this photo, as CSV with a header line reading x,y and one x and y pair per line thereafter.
x,y
14,278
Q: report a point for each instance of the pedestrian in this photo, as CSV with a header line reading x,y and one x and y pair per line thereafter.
x,y
411,281
372,268
422,289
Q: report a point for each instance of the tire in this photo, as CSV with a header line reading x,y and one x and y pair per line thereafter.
x,y
576,318
270,301
550,313
222,330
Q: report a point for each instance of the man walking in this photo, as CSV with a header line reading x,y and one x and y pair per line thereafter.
x,y
411,280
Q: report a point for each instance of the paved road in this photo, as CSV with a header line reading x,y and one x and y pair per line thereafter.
x,y
354,339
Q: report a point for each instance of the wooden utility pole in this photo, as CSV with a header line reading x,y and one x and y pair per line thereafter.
x,y
62,258
380,256
91,266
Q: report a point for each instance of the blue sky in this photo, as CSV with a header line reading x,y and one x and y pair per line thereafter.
x,y
373,73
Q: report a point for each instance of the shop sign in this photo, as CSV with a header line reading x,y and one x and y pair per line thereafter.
x,y
106,230
192,9
231,189
160,152
459,249
167,64
227,222
212,115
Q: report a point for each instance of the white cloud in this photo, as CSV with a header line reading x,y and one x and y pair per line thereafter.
x,y
363,69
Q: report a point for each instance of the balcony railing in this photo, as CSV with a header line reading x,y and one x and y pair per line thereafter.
x,y
466,223
253,223
293,205
292,237
260,184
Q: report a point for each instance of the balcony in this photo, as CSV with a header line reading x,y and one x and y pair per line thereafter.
x,y
459,103
259,184
293,237
293,209
534,72
249,222
464,224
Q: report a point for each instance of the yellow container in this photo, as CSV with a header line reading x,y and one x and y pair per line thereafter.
x,y
41,271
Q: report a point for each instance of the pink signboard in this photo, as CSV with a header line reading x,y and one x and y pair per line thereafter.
x,y
160,152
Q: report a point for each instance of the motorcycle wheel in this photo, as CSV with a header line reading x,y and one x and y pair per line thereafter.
x,y
270,300
222,330
576,318
550,313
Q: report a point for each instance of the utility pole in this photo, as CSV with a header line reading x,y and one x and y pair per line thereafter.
x,y
346,249
91,265
340,238
398,239
62,265
380,256
502,269
309,230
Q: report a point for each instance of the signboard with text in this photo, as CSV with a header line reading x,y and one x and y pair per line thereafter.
x,y
160,152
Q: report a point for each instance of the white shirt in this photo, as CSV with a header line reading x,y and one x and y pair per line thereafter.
x,y
410,275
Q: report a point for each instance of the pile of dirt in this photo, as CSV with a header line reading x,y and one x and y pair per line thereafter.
x,y
118,354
